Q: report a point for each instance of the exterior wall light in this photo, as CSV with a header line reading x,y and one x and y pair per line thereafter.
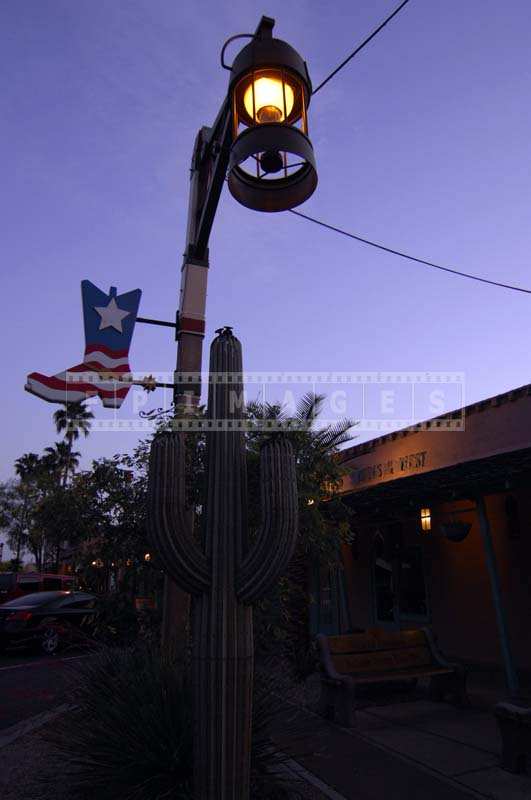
x,y
147,557
272,165
425,519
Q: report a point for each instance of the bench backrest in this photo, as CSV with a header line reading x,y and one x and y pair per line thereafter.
x,y
379,651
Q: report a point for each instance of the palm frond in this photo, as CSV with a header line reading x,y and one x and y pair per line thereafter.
x,y
259,410
332,436
309,407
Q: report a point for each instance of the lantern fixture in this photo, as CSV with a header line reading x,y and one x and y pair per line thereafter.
x,y
271,165
425,519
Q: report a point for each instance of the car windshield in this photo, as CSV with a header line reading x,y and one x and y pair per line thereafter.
x,y
36,599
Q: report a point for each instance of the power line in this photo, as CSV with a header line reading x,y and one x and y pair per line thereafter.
x,y
406,255
362,45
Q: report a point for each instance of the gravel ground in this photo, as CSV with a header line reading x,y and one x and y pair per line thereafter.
x,y
27,773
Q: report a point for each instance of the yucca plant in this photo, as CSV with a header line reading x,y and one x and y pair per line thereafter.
x,y
129,734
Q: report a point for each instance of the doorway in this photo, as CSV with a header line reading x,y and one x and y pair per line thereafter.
x,y
399,594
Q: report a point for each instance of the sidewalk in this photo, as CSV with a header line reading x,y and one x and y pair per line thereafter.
x,y
412,750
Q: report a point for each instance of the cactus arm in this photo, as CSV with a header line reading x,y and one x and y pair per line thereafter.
x,y
275,543
168,526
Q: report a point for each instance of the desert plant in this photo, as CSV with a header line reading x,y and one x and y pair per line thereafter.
x,y
224,573
129,737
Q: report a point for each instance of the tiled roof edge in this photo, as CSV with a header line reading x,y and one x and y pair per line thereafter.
x,y
473,408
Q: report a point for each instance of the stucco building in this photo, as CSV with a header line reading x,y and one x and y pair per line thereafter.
x,y
442,534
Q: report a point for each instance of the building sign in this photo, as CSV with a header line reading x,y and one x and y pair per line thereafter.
x,y
499,425
393,468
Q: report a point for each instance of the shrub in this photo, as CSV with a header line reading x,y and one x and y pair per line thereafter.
x,y
130,736
118,623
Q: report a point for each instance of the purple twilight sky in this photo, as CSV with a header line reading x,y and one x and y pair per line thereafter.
x,y
423,142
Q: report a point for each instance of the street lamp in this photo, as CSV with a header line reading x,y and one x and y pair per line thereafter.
x,y
271,166
262,121
259,145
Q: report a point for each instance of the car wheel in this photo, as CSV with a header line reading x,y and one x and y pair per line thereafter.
x,y
50,641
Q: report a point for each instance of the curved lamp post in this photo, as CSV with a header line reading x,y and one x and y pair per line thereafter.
x,y
259,144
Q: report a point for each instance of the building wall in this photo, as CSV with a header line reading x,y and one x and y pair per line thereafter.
x,y
459,595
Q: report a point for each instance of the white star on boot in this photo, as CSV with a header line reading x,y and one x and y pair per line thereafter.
x,y
111,316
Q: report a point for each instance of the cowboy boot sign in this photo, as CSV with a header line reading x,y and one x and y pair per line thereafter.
x,y
104,371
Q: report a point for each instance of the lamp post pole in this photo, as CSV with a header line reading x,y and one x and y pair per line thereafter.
x,y
207,173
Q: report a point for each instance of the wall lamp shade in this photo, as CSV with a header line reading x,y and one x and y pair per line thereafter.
x,y
425,519
271,165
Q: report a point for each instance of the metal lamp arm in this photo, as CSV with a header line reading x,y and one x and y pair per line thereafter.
x,y
209,162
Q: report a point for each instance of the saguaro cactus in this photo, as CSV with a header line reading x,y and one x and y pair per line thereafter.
x,y
224,574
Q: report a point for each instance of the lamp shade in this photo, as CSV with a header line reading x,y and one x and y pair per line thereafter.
x,y
271,165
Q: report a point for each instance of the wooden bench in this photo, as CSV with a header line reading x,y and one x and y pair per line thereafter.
x,y
378,656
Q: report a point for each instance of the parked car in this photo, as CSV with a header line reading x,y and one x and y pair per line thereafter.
x,y
17,584
46,620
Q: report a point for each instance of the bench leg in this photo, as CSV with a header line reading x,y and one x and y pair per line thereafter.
x,y
461,693
454,685
325,706
337,703
344,712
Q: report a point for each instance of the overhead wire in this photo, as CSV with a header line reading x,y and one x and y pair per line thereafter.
x,y
409,257
362,45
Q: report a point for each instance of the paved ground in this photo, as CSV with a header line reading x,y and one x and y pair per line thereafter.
x,y
417,750
30,685
403,748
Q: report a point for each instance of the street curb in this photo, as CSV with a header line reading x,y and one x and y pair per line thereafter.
x,y
11,734
303,774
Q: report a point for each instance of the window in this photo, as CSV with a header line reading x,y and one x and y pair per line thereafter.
x,y
413,601
382,582
28,587
51,584
86,602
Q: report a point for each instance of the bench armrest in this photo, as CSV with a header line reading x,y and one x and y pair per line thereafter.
x,y
326,660
437,656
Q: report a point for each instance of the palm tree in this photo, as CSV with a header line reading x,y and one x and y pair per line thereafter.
x,y
72,419
26,466
60,460
322,515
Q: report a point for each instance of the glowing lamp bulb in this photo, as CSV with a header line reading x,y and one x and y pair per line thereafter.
x,y
269,97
